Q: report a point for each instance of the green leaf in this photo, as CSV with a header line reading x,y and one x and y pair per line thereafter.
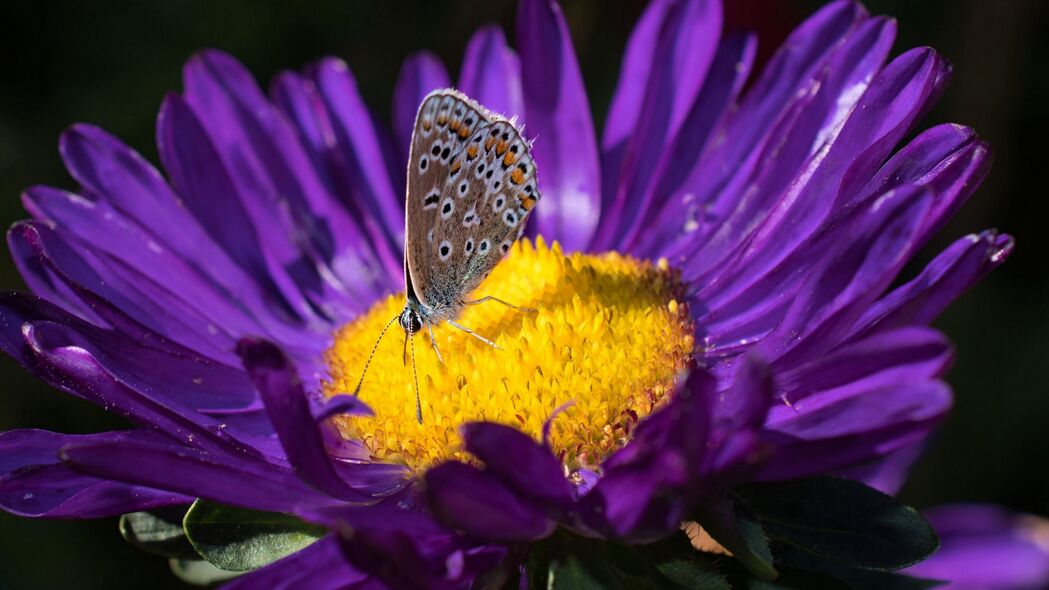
x,y
843,521
738,531
674,564
158,532
565,561
199,572
236,539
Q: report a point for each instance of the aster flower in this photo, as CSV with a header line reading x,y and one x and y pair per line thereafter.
x,y
713,278
988,548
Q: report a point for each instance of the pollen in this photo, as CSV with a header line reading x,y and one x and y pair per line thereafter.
x,y
606,341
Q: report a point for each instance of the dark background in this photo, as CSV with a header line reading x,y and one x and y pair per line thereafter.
x,y
109,62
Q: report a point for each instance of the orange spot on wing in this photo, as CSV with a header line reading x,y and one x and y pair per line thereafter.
x,y
464,131
501,147
488,144
517,177
471,152
442,119
527,203
509,158
427,125
456,166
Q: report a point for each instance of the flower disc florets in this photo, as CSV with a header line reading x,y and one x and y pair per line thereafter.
x,y
609,335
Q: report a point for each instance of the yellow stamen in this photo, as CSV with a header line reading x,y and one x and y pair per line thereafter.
x,y
610,335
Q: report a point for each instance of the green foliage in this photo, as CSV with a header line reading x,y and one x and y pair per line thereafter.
x,y
236,539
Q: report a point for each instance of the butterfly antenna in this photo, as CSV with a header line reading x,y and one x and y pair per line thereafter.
x,y
415,373
371,355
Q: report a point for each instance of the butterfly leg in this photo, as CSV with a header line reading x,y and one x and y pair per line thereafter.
x,y
474,334
434,342
497,300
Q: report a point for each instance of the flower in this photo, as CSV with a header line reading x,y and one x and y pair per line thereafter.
x,y
988,548
225,308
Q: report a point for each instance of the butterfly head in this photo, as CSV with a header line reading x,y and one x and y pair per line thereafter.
x,y
410,320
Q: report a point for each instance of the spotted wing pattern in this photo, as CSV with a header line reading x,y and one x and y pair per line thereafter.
x,y
484,203
445,120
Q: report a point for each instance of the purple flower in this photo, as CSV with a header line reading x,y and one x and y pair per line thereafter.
x,y
987,548
209,305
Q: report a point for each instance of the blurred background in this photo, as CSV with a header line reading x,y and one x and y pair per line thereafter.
x,y
109,62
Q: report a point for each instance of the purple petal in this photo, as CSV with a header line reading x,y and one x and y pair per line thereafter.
x,y
421,73
789,78
34,484
846,427
382,539
342,404
850,278
884,114
987,548
289,410
278,187
233,480
210,194
528,468
558,116
40,337
477,503
649,485
731,67
685,49
889,473
321,566
950,274
491,74
903,355
374,203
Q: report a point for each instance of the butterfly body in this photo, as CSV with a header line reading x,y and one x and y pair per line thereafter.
x,y
471,187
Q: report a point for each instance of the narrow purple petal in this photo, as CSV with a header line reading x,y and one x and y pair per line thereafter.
x,y
233,480
491,74
685,49
790,76
283,194
730,69
890,357
477,503
40,337
210,194
34,484
985,547
420,74
637,66
289,411
648,486
950,274
850,278
373,201
527,467
847,426
745,403
884,114
558,115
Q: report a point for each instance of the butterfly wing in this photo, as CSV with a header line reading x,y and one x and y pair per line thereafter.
x,y
445,120
484,203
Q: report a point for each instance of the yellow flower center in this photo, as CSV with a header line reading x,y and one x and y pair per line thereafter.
x,y
609,335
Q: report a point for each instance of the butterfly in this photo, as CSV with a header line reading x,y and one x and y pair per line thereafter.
x,y
471,187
